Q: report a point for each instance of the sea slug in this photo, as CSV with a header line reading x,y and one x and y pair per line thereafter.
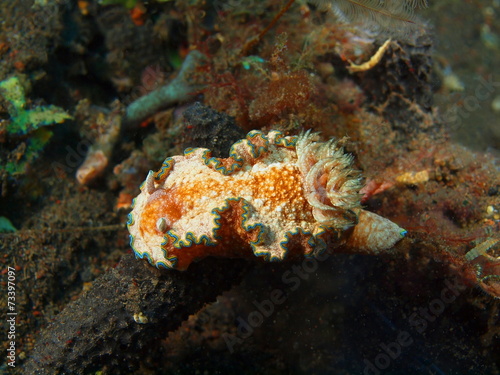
x,y
275,197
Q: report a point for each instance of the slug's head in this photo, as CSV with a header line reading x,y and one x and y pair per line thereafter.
x,y
155,212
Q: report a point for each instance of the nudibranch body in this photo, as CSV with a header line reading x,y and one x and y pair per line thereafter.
x,y
275,197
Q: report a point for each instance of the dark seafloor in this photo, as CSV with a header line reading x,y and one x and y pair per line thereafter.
x,y
423,123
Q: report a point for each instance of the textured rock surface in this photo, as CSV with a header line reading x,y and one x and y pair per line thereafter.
x,y
101,329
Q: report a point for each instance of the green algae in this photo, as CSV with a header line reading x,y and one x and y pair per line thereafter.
x,y
6,226
26,127
24,121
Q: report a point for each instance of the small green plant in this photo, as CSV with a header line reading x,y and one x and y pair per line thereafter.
x,y
24,121
25,130
6,226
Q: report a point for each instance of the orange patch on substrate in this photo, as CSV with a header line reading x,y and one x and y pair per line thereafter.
x,y
124,201
287,93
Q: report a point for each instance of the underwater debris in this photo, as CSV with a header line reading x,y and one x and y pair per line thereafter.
x,y
413,178
480,249
487,266
395,17
179,89
99,154
255,40
374,60
275,197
